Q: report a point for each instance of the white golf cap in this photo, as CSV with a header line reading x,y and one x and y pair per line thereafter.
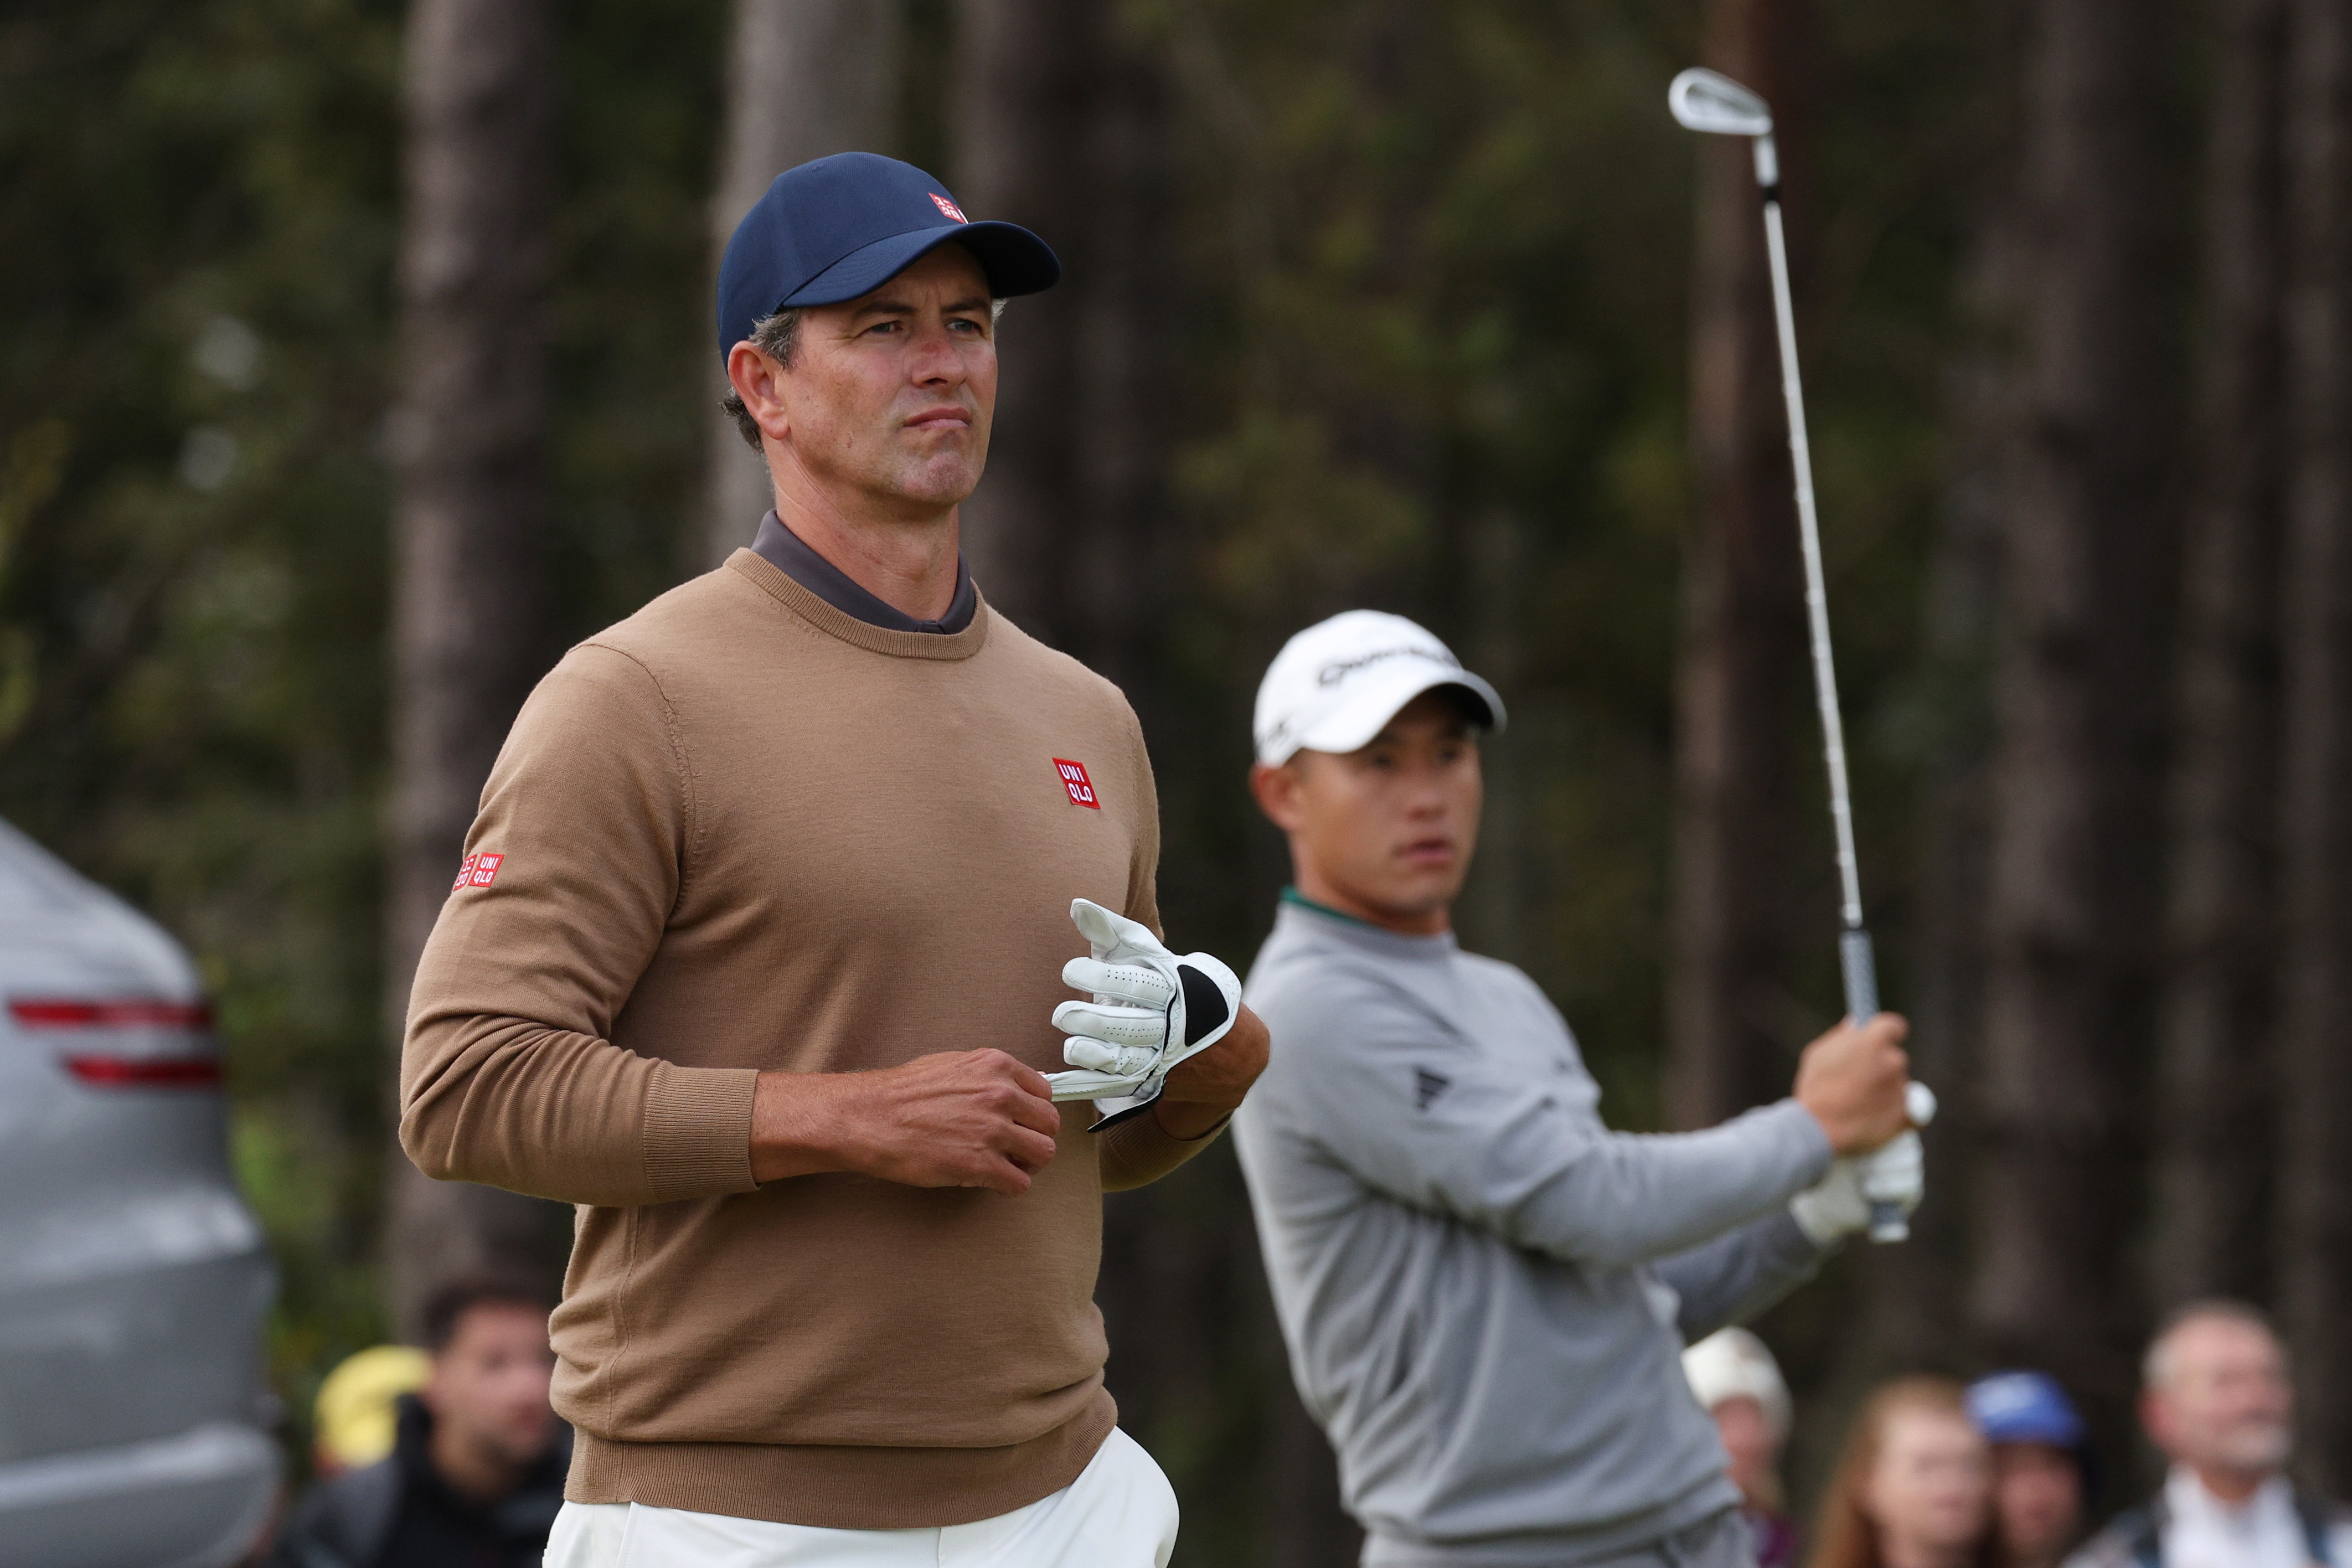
x,y
1334,685
1730,1363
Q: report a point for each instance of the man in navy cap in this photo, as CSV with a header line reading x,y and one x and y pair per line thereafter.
x,y
762,956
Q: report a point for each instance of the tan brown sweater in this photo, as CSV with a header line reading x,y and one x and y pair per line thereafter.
x,y
743,830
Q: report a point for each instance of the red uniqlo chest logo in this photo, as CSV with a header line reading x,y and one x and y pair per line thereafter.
x,y
478,871
1075,779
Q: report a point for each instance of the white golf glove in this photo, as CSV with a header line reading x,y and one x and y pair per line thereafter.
x,y
1150,1010
1868,1191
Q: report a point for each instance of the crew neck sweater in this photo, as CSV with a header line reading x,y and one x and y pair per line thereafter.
x,y
743,830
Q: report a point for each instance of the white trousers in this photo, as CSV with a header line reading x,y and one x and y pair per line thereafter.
x,y
1120,1513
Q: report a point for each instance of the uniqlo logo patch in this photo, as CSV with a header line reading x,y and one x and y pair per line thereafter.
x,y
949,207
1075,779
478,871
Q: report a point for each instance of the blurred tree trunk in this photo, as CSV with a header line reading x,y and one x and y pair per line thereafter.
x,y
2315,1238
1915,1315
1918,1310
1062,124
2088,574
804,78
472,505
2218,1120
1741,673
1030,107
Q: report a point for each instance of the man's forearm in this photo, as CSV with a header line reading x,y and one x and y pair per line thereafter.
x,y
1189,1121
1613,1199
795,1129
1203,1093
556,1113
954,1119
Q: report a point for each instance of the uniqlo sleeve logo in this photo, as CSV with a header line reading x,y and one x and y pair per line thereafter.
x,y
1075,779
478,871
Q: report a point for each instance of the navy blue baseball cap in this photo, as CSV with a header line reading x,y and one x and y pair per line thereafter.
x,y
2024,1407
840,226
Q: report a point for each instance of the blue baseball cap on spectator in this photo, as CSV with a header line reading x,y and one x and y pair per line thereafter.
x,y
2024,1407
841,227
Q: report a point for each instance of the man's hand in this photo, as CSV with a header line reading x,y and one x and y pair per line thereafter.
x,y
1205,1090
957,1118
1852,1080
1840,1203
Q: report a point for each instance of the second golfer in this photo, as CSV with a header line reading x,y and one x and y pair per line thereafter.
x,y
1485,1290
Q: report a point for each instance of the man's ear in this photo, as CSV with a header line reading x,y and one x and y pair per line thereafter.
x,y
1276,788
757,381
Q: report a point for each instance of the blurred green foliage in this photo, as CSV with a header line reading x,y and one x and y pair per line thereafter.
x,y
1430,357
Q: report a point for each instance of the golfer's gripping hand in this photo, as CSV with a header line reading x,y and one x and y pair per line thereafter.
x,y
955,1119
1853,1079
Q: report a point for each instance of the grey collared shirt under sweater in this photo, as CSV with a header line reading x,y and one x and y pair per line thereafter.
x,y
1485,1291
788,553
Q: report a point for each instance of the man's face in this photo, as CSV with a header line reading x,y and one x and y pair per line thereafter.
x,y
1391,825
2224,1404
891,394
2037,1498
487,1391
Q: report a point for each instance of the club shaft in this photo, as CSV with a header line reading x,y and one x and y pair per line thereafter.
x,y
1817,600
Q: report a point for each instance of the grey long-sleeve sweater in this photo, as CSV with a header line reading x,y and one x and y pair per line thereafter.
x,y
1485,1291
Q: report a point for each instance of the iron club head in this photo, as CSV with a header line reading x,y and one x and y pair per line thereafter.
x,y
1711,102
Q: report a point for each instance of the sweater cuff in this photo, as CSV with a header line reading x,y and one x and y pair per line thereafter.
x,y
1139,1151
698,1136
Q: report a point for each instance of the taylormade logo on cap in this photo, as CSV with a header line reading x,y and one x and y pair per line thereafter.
x,y
1333,673
1335,684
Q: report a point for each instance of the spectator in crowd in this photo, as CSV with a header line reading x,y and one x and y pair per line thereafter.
x,y
2041,1471
1738,1382
1914,1488
2214,1397
476,1473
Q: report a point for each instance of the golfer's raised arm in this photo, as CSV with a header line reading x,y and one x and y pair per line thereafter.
x,y
1460,1130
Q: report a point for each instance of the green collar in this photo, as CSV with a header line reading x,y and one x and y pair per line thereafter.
x,y
1292,895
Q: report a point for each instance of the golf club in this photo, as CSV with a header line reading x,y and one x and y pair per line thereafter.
x,y
1714,104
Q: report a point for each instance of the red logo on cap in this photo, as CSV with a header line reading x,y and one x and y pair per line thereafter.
x,y
949,207
1075,779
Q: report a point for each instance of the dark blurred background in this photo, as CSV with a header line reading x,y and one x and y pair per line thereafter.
x,y
355,358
